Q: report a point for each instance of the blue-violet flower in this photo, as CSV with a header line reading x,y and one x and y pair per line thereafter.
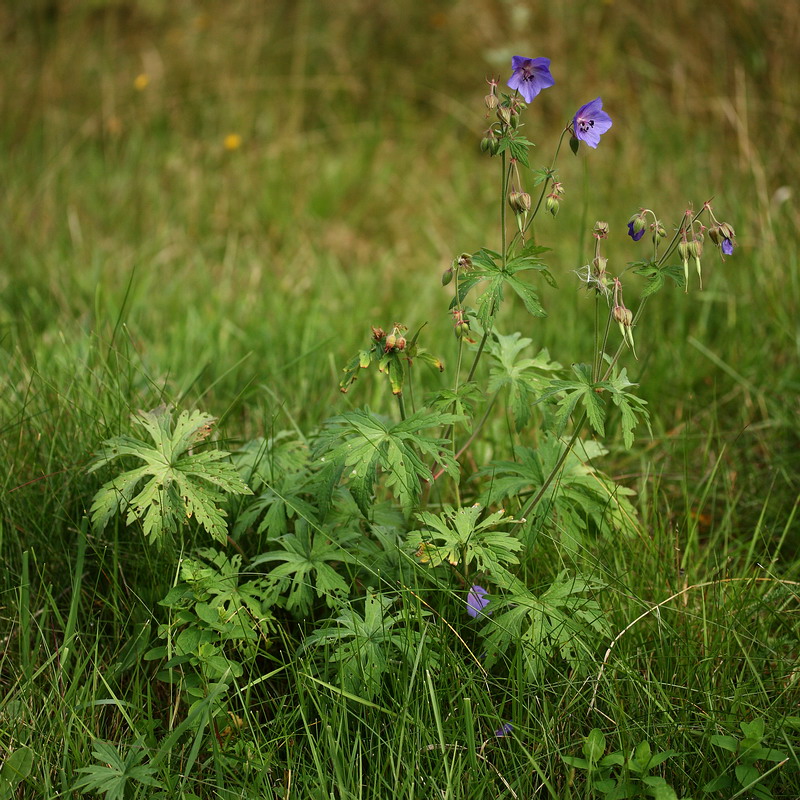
x,y
530,76
727,247
477,600
634,234
506,728
590,122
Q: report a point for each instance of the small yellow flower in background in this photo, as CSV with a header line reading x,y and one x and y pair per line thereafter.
x,y
140,82
232,141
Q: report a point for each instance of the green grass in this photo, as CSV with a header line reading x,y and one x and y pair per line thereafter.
x,y
143,263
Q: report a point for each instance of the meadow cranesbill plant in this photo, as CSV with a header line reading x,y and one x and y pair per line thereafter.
x,y
484,552
369,496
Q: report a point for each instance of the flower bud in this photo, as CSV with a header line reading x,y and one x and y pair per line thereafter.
x,y
683,251
504,115
447,276
622,315
401,343
461,329
551,204
599,271
389,344
713,234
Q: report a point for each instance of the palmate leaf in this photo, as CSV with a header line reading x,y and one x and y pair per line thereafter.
x,y
364,647
583,390
487,267
561,622
581,500
460,537
279,470
656,275
178,483
308,561
521,376
367,446
114,773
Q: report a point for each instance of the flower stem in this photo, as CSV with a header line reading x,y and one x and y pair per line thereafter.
x,y
534,501
401,405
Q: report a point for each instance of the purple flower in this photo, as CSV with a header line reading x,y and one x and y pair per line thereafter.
x,y
477,600
590,122
727,247
530,76
506,728
633,234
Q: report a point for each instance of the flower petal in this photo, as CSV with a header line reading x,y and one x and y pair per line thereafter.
x,y
530,76
477,600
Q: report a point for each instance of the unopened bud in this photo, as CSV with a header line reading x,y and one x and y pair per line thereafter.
x,y
659,232
683,251
461,329
713,234
447,276
389,344
551,204
401,343
622,315
599,265
520,202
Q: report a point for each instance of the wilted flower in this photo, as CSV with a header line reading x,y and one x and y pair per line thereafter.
x,y
530,76
590,122
477,600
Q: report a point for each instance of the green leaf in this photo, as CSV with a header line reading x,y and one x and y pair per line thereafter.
x,y
362,647
367,447
15,769
583,390
580,501
308,561
594,745
115,772
178,483
459,537
560,622
521,376
725,742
